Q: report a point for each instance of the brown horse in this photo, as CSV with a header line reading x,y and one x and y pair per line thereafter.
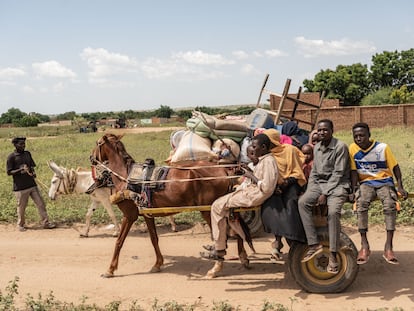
x,y
184,187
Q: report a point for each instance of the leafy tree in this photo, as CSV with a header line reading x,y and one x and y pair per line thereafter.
x,y
393,69
380,97
70,115
13,115
184,114
347,83
163,112
402,95
42,118
27,120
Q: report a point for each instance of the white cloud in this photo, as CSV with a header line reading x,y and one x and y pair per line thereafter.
x,y
52,69
312,48
240,54
258,54
8,75
104,64
161,69
27,89
249,69
202,58
274,53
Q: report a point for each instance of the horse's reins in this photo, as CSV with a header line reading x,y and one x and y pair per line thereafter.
x,y
173,180
100,163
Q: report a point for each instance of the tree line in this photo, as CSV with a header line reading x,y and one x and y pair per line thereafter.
x,y
18,118
389,80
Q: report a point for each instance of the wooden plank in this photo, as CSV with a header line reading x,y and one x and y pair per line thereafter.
x,y
302,102
296,119
180,209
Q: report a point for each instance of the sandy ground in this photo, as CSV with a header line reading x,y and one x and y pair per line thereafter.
x,y
59,261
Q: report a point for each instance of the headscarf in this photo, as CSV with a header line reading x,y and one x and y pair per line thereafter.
x,y
291,128
289,158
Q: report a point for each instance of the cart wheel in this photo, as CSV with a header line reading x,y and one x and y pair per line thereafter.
x,y
312,275
253,219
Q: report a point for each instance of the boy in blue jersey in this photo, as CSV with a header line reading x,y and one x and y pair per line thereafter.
x,y
373,166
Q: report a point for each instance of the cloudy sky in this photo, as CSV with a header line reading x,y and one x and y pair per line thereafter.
x,y
99,55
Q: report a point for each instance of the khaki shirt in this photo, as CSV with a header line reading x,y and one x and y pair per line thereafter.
x,y
331,166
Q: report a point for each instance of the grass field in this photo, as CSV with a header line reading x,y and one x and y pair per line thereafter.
x,y
71,149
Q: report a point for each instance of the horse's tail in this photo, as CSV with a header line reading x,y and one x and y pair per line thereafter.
x,y
246,231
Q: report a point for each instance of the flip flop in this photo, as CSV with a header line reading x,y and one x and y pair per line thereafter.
x,y
276,254
213,255
363,256
390,258
209,247
332,268
312,252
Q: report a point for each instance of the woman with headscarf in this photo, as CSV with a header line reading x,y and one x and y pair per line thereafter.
x,y
299,137
280,212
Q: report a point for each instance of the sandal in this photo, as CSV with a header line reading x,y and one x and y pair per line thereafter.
x,y
333,267
390,257
276,254
363,256
213,255
209,247
312,252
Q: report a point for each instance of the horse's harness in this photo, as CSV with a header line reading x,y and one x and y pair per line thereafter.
x,y
145,185
95,161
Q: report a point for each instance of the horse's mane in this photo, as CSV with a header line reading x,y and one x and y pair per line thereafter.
x,y
119,147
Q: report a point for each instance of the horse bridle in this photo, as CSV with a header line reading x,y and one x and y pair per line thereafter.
x,y
95,162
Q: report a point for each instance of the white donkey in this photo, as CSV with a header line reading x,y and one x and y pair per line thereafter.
x,y
67,181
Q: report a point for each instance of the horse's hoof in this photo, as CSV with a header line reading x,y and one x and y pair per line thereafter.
x,y
155,269
213,272
244,260
83,235
246,264
115,234
107,275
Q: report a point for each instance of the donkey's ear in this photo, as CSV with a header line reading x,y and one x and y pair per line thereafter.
x,y
120,136
55,168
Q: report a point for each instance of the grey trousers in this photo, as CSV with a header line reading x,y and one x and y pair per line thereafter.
x,y
22,198
365,195
335,202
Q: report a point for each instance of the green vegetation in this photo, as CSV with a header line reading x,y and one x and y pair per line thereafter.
x,y
50,303
392,71
19,118
72,150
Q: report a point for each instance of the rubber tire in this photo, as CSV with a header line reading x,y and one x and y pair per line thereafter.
x,y
312,275
253,219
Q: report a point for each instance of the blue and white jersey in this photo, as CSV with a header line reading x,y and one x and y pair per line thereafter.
x,y
374,165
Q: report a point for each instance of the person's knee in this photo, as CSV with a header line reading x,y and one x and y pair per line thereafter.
x,y
363,205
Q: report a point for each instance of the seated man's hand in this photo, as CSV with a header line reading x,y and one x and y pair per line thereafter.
x,y
322,200
402,193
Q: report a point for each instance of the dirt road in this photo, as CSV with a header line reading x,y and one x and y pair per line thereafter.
x,y
59,260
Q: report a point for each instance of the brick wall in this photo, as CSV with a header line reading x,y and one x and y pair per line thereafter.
x,y
376,116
